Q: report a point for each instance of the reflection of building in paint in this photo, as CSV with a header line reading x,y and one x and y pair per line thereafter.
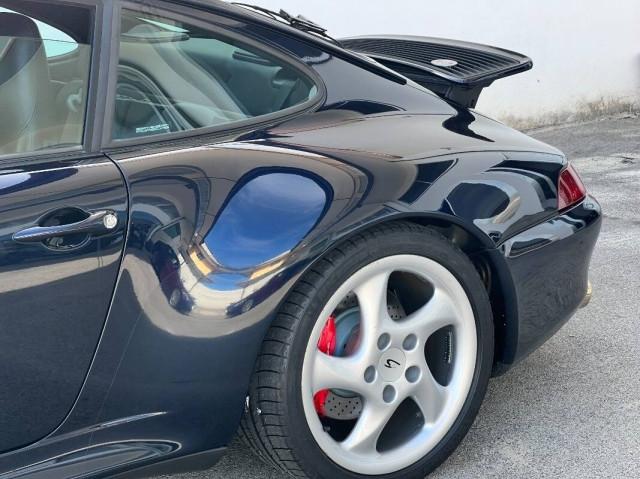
x,y
202,259
262,222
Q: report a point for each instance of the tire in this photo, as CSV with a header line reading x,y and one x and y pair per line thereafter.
x,y
279,423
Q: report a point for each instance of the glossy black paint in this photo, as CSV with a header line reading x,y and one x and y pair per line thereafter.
x,y
550,266
220,226
55,294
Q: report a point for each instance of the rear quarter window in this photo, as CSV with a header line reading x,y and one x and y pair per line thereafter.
x,y
178,76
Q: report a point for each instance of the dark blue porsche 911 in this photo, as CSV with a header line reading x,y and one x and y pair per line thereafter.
x,y
216,217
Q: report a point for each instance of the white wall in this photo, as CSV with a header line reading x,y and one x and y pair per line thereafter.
x,y
582,50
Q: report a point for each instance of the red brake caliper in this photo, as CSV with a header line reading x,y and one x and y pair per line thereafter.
x,y
327,345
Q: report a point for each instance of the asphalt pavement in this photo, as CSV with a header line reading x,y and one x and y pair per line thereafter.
x,y
572,408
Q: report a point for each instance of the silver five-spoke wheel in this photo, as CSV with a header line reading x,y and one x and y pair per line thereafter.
x,y
389,365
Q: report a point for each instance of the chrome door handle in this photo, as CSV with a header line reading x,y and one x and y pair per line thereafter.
x,y
99,222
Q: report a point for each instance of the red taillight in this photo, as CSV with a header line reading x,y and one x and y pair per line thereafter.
x,y
571,190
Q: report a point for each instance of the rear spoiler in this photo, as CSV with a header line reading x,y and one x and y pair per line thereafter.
x,y
455,70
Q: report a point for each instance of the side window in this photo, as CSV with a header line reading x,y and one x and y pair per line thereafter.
x,y
56,43
175,76
44,74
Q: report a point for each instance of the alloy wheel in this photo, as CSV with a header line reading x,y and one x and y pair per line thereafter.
x,y
397,375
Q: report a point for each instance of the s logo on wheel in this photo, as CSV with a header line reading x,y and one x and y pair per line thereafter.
x,y
391,363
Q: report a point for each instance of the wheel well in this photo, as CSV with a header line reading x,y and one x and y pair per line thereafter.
x,y
491,273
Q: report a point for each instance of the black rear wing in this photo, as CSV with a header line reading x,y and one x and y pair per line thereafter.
x,y
455,70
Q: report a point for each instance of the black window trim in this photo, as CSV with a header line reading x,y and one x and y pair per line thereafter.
x,y
210,20
90,144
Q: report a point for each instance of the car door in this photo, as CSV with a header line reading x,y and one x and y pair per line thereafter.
x,y
63,215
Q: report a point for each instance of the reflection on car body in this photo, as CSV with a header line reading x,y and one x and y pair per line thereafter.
x,y
242,155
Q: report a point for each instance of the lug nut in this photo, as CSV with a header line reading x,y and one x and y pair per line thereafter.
x,y
410,342
370,374
412,374
388,394
383,341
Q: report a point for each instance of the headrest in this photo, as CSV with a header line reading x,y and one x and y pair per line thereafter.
x,y
24,44
24,80
19,26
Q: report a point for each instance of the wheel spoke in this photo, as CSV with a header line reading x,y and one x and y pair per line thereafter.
x,y
431,397
372,421
330,372
438,313
372,299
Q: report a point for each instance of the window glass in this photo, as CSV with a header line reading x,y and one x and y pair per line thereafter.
x,y
174,76
44,75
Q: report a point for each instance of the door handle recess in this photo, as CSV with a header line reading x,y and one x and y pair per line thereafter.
x,y
99,222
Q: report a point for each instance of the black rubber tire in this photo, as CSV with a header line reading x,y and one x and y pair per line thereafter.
x,y
274,425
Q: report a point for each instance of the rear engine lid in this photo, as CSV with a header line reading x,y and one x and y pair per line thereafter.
x,y
414,136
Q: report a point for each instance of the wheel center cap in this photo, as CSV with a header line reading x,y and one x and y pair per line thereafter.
x,y
391,365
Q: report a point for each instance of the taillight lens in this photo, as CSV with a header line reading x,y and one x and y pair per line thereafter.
x,y
571,190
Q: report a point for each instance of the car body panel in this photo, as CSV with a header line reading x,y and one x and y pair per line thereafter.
x,y
223,223
352,125
550,275
54,298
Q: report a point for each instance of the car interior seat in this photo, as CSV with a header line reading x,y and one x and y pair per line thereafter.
x,y
30,120
160,89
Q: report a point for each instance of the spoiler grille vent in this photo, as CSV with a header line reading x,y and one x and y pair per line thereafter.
x,y
457,71
471,63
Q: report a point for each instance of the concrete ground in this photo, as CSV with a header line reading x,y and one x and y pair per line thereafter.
x,y
572,409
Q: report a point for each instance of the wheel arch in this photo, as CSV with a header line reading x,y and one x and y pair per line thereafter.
x,y
488,261
493,270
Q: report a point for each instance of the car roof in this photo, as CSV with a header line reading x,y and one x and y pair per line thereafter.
x,y
239,11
